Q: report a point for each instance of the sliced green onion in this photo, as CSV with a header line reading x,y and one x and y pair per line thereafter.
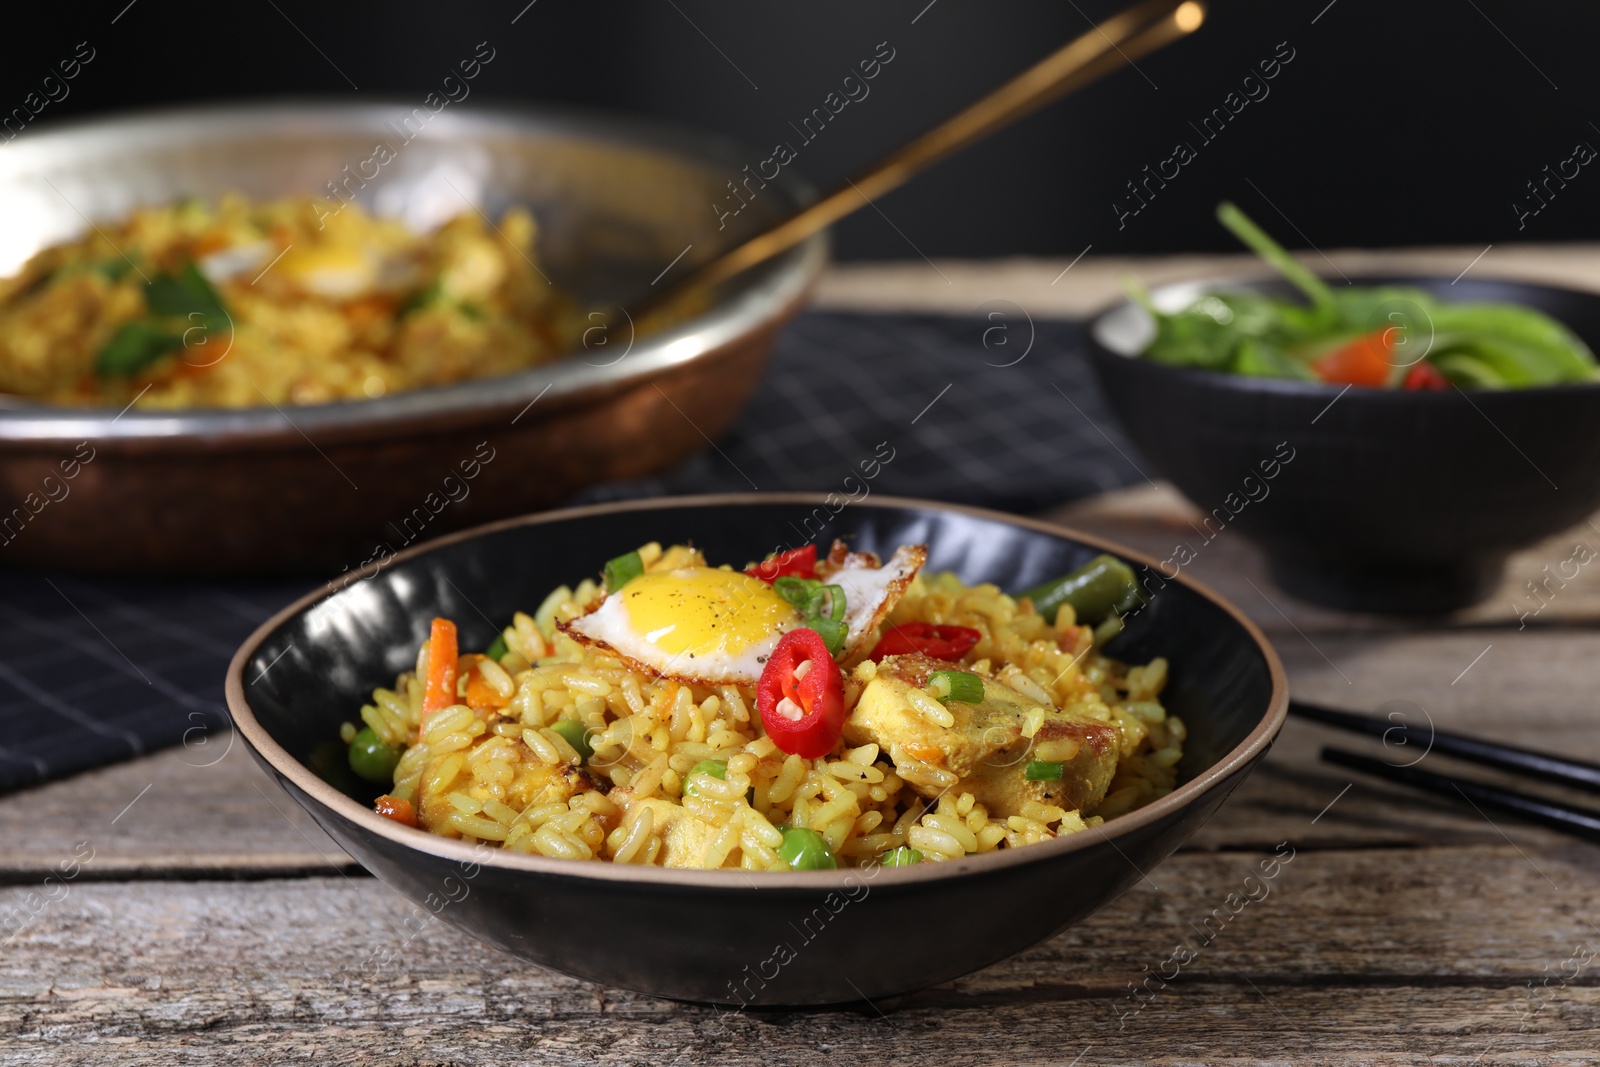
x,y
832,633
904,856
715,768
575,734
622,570
822,606
833,595
797,591
1043,771
956,685
497,648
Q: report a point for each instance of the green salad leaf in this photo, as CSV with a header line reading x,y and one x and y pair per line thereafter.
x,y
1365,335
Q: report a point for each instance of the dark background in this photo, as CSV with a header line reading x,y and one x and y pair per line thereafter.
x,y
1396,123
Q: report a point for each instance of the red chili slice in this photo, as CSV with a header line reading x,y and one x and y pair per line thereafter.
x,y
796,563
803,715
930,639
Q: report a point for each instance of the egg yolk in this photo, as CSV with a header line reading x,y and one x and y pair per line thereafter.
x,y
702,611
333,271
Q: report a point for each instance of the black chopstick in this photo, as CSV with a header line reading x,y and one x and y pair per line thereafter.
x,y
1539,765
1576,821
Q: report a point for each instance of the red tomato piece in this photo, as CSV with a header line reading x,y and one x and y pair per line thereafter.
x,y
796,563
801,696
1364,361
930,639
1425,376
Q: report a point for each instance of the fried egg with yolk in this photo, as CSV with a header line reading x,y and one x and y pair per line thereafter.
x,y
714,626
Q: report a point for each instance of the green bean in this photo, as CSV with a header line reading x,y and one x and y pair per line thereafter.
x,y
1102,587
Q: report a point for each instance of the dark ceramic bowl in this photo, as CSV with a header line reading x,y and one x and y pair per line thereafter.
x,y
720,936
218,492
1405,502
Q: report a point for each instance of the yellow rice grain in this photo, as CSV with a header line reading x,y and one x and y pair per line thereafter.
x,y
496,677
930,708
647,733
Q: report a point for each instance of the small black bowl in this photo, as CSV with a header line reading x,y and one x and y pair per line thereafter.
x,y
724,937
1379,500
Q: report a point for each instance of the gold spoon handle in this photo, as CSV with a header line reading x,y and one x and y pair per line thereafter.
x,y
1121,39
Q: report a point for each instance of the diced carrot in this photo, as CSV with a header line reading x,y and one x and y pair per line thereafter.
x,y
394,808
440,690
480,694
1364,361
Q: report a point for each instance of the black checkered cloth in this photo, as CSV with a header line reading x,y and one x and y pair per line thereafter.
x,y
998,412
993,411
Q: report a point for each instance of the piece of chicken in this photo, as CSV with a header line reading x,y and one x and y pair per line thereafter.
x,y
984,753
684,835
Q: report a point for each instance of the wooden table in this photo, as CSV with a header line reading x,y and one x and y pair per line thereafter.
x,y
208,920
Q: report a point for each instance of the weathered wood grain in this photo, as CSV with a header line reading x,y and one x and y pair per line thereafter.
x,y
1366,956
166,815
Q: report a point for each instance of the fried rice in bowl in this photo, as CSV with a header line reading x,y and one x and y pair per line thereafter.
x,y
798,779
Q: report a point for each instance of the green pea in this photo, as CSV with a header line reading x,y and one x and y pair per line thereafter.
x,y
806,850
575,734
373,759
716,768
904,856
497,649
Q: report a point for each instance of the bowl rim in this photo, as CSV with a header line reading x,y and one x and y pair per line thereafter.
x,y
759,298
303,779
1320,391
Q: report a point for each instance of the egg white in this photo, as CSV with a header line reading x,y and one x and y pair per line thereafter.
x,y
870,593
